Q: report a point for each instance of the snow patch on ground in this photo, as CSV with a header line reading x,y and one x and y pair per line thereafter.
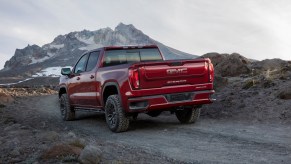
x,y
51,72
16,82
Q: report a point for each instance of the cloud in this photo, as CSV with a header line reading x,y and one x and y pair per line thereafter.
x,y
256,29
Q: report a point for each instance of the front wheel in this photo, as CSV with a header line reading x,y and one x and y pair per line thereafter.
x,y
187,116
115,116
67,112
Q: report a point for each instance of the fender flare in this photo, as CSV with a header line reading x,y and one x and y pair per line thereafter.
x,y
111,83
62,87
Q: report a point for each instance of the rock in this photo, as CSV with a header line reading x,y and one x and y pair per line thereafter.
x,y
215,58
24,56
229,65
15,152
220,82
5,99
268,84
233,65
9,120
12,127
270,64
71,135
90,155
285,94
49,136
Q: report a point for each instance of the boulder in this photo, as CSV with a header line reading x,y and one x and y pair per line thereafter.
x,y
229,65
270,64
215,58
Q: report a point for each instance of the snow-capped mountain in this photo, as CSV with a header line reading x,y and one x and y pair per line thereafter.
x,y
66,49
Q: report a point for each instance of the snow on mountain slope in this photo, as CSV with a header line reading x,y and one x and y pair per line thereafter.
x,y
89,40
34,60
57,46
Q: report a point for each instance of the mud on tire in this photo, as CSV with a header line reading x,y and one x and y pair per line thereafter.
x,y
67,112
187,116
115,116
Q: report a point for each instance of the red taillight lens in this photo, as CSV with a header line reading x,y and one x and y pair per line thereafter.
x,y
211,72
134,78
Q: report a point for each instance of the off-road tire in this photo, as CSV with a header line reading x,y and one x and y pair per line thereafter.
x,y
188,116
67,111
116,118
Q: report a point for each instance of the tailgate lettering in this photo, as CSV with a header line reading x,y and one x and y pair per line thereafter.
x,y
176,82
177,71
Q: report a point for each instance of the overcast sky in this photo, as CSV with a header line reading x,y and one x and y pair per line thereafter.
x,y
257,29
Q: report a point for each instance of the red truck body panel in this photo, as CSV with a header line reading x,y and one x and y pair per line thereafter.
x,y
158,85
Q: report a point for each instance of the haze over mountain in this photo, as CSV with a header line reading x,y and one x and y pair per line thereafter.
x,y
65,50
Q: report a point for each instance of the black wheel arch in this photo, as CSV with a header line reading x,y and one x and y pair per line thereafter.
x,y
110,88
62,90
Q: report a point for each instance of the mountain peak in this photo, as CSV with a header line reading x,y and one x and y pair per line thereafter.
x,y
121,27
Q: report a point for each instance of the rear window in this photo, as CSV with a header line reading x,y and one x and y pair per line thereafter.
x,y
117,57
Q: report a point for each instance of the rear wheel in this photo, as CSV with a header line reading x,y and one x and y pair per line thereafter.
x,y
67,112
188,115
115,116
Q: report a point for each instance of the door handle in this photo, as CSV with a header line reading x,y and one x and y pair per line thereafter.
x,y
91,77
78,78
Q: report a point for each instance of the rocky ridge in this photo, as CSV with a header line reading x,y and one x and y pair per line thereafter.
x,y
250,90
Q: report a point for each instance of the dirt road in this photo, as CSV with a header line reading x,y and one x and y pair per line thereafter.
x,y
162,139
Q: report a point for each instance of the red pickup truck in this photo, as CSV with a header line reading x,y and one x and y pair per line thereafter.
x,y
125,81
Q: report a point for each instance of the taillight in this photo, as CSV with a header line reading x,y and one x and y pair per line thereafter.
x,y
134,78
211,72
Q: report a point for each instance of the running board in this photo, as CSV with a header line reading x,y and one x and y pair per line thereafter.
x,y
96,110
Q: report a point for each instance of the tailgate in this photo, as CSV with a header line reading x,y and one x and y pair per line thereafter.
x,y
175,72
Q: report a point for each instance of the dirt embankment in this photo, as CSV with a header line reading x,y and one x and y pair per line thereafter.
x,y
256,91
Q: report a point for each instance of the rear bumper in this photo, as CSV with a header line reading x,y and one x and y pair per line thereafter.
x,y
166,101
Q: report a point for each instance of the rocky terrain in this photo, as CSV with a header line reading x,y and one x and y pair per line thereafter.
x,y
251,90
250,122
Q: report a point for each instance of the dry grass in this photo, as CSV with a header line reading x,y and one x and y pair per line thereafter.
x,y
61,151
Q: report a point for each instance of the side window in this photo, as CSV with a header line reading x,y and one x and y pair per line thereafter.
x,y
80,66
92,61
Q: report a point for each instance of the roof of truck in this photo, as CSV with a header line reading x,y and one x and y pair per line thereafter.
x,y
129,47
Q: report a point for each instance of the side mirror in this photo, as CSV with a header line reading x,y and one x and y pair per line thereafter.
x,y
66,71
